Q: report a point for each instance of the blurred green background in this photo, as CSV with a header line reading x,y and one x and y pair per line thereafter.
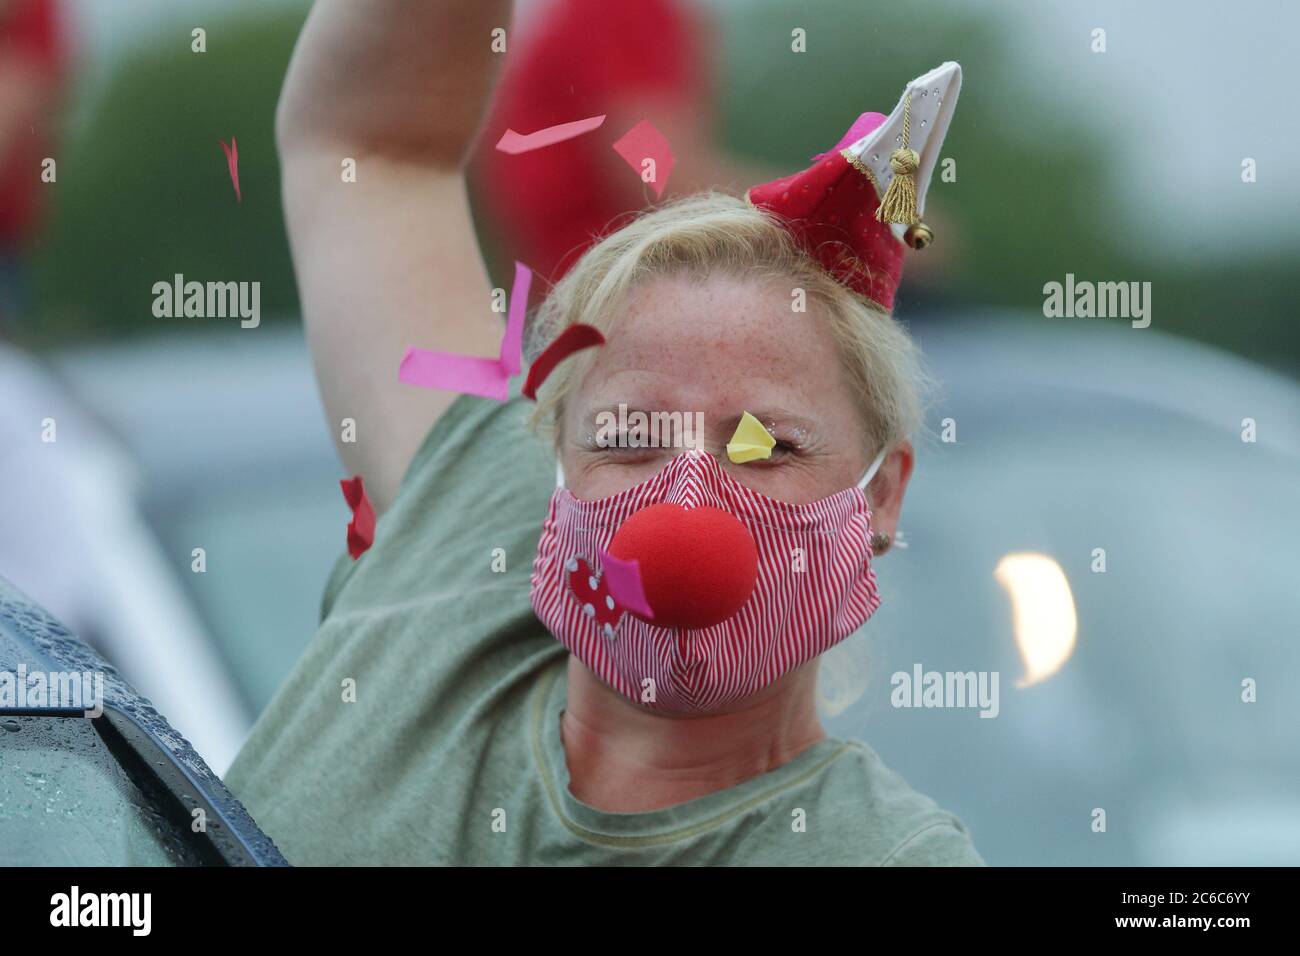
x,y
143,187
1044,186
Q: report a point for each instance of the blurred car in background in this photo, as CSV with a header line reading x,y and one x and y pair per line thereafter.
x,y
227,435
1074,436
1069,436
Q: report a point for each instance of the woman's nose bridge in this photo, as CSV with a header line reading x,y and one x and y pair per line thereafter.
x,y
687,489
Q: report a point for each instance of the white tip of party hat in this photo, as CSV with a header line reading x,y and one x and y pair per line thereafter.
x,y
919,122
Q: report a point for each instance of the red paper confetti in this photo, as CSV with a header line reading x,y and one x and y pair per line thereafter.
x,y
575,338
643,142
232,161
361,529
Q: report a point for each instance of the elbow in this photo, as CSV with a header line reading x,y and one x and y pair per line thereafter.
x,y
286,135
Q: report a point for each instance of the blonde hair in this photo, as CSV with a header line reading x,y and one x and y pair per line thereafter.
x,y
710,233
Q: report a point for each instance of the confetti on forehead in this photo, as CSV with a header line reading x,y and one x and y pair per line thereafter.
x,y
575,338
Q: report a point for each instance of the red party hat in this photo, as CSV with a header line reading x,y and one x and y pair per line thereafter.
x,y
858,206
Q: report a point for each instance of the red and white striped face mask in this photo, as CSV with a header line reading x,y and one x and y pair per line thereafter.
x,y
743,587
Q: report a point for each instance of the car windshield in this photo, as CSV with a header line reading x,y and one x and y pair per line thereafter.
x,y
65,801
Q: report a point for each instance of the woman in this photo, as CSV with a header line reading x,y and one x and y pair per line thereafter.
x,y
434,719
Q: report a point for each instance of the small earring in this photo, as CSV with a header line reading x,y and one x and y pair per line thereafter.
x,y
879,542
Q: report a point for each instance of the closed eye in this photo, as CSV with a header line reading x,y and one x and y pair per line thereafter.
x,y
780,451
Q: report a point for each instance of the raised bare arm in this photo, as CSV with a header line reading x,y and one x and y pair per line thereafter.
x,y
391,260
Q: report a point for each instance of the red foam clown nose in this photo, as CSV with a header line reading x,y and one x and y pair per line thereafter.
x,y
698,565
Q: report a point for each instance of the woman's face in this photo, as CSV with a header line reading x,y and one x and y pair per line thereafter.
x,y
724,346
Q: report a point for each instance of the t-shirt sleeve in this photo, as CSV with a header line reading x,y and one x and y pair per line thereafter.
x,y
937,844
338,574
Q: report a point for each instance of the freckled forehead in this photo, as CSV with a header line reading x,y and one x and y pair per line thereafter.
x,y
718,330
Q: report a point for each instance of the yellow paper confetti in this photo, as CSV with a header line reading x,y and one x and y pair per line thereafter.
x,y
750,442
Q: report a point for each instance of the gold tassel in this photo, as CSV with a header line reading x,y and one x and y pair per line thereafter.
x,y
898,204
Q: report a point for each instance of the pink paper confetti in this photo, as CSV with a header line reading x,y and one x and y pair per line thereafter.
x,y
644,142
516,143
232,162
623,578
512,342
488,378
863,125
455,373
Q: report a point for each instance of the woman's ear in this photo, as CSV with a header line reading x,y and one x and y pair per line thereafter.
x,y
886,490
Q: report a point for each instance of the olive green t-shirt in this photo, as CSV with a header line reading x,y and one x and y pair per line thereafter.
x,y
422,724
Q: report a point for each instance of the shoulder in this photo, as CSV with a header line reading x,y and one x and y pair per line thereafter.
x,y
898,825
466,516
476,434
941,843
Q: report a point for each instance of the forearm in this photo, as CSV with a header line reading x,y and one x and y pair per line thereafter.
x,y
409,79
389,259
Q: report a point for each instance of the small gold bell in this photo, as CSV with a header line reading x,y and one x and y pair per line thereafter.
x,y
918,236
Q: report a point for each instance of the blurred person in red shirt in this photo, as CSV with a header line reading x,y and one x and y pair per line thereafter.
x,y
32,60
572,59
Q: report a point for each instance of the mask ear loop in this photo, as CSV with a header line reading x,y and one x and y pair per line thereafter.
x,y
875,466
879,541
